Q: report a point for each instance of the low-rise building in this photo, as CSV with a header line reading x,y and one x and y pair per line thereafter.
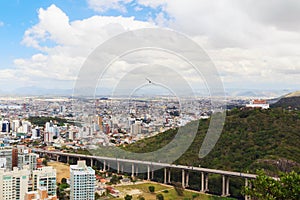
x,y
258,104
40,194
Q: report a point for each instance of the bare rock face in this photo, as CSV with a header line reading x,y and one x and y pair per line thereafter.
x,y
281,164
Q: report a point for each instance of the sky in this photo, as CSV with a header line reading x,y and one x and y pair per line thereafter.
x,y
253,44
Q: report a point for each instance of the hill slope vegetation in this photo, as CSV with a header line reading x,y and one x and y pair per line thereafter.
x,y
251,140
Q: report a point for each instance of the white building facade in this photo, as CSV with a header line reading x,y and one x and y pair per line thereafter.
x,y
82,182
14,184
44,177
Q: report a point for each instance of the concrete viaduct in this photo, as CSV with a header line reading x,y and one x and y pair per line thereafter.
x,y
150,169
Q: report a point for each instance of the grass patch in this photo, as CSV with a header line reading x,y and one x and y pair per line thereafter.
x,y
142,190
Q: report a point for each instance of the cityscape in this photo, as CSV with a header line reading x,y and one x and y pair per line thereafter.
x,y
149,100
38,133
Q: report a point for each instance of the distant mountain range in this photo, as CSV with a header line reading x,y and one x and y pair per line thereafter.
x,y
256,93
230,92
37,91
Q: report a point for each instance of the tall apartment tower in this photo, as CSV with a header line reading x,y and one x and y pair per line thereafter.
x,y
5,126
15,157
14,184
44,177
100,123
82,182
6,155
25,157
28,159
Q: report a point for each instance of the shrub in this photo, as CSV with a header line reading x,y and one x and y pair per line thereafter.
x,y
128,197
141,198
151,188
63,180
159,197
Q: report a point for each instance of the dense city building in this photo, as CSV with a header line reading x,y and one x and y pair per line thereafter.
x,y
14,184
6,157
82,182
44,177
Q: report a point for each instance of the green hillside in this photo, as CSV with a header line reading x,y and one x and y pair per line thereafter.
x,y
251,140
290,101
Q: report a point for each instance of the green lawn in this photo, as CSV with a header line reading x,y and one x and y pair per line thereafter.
x,y
142,190
144,187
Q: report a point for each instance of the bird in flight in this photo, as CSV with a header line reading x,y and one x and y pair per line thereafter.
x,y
148,80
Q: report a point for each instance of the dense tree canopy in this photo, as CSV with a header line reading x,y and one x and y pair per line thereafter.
x,y
287,187
251,140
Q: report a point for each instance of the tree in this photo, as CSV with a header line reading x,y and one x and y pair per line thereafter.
x,y
128,197
107,191
63,180
141,198
114,179
45,162
97,196
60,190
151,188
287,187
159,197
46,157
35,143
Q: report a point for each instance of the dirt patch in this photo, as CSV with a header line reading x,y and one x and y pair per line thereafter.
x,y
134,192
62,170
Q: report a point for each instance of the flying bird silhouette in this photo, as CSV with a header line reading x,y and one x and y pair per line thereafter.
x,y
148,80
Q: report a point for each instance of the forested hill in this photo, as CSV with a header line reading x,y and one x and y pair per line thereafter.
x,y
290,101
251,139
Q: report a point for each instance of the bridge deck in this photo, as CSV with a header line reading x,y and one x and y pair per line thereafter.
x,y
158,164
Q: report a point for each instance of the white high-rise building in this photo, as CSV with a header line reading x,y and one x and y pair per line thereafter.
x,y
35,133
26,127
136,128
48,137
15,125
47,126
14,184
82,182
6,153
28,159
44,177
3,163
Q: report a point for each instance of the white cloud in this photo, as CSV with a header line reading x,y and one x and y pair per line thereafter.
x,y
152,3
1,23
138,8
121,5
283,15
257,42
65,44
250,43
104,5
